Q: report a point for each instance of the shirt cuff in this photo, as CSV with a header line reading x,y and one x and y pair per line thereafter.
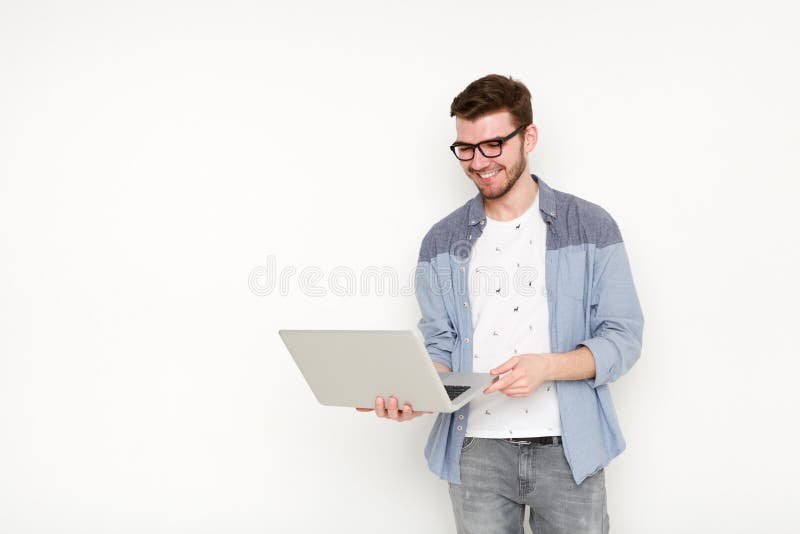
x,y
605,356
443,360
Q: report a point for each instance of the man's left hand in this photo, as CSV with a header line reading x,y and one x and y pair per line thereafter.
x,y
525,373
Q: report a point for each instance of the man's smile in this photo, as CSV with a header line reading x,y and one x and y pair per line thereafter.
x,y
487,176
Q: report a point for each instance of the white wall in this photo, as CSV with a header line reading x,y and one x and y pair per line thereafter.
x,y
154,153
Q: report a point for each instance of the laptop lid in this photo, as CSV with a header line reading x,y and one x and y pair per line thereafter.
x,y
353,367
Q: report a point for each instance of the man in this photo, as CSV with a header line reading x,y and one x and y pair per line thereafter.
x,y
532,285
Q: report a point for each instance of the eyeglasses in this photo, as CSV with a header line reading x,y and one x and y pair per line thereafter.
x,y
491,148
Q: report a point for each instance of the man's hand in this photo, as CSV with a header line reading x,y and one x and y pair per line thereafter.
x,y
390,410
526,372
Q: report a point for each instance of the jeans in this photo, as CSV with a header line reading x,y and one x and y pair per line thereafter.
x,y
499,478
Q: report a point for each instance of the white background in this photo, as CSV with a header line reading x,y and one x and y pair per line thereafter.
x,y
152,155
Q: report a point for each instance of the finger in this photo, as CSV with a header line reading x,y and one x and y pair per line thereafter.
x,y
503,383
365,409
380,409
516,392
392,409
493,382
507,381
505,367
408,413
521,384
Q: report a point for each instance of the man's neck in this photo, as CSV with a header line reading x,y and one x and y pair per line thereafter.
x,y
514,203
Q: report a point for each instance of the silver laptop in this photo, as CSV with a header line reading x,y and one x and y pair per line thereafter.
x,y
353,367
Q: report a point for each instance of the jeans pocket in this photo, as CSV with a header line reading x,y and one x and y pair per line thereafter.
x,y
469,442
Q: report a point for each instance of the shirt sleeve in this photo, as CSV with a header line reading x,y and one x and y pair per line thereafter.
x,y
616,319
435,324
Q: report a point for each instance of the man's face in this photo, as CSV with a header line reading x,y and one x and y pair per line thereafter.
x,y
494,177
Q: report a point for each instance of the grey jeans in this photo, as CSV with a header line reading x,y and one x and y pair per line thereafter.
x,y
499,478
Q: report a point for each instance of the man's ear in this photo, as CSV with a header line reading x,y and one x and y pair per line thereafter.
x,y
531,137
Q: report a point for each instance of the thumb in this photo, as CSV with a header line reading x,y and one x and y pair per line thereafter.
x,y
507,366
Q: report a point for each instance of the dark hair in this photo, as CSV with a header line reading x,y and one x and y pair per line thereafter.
x,y
494,93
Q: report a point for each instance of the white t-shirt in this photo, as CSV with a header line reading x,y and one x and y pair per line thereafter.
x,y
510,316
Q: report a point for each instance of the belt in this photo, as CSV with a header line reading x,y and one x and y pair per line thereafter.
x,y
540,440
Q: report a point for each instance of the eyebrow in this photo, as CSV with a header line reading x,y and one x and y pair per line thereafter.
x,y
459,142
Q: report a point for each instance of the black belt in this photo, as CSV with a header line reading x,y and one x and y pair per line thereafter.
x,y
540,440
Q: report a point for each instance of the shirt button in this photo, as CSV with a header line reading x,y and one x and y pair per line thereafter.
x,y
465,304
483,221
469,236
459,428
461,417
461,268
472,221
466,340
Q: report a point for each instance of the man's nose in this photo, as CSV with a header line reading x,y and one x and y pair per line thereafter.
x,y
479,161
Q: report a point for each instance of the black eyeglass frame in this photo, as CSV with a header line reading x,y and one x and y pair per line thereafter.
x,y
501,140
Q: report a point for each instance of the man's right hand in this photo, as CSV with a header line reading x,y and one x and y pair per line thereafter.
x,y
391,411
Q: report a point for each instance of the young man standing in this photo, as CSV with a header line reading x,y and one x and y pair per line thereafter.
x,y
534,286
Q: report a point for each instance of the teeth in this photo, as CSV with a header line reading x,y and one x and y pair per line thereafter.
x,y
487,175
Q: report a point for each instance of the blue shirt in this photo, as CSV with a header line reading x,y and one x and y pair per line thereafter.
x,y
591,299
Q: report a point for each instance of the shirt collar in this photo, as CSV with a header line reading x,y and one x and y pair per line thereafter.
x,y
547,204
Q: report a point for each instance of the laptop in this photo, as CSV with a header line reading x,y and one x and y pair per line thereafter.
x,y
352,367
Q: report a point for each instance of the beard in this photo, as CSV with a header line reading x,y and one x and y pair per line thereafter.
x,y
512,175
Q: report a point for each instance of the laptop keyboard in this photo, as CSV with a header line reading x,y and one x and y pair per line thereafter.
x,y
455,391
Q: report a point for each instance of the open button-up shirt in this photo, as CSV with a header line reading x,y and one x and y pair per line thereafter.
x,y
592,301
